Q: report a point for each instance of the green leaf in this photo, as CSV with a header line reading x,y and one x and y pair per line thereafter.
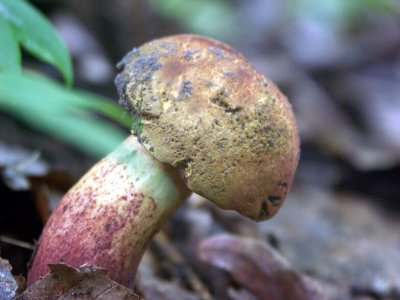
x,y
37,35
10,56
61,112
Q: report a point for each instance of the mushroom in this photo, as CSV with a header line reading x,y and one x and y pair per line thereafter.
x,y
205,121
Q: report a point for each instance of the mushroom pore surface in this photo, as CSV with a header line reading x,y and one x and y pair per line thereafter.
x,y
201,107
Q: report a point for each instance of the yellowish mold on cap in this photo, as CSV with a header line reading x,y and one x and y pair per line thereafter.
x,y
202,108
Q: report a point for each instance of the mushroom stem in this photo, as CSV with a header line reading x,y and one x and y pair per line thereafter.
x,y
200,107
109,216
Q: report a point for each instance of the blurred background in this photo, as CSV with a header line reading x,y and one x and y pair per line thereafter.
x,y
338,62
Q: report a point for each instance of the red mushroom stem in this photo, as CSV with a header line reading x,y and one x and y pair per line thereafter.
x,y
109,216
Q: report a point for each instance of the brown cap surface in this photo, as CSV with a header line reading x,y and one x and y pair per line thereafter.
x,y
201,107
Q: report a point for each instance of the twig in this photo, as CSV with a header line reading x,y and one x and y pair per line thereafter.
x,y
15,242
176,258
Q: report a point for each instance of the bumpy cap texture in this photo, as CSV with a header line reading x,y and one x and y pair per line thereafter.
x,y
199,105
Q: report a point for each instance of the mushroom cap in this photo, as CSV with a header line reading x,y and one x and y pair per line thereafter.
x,y
201,107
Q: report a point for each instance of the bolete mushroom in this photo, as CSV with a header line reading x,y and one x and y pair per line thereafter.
x,y
204,120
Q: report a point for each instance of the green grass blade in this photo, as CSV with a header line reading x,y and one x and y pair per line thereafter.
x,y
103,106
10,56
86,101
61,112
37,35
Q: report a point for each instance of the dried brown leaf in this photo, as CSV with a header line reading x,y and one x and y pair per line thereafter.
x,y
86,283
259,268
